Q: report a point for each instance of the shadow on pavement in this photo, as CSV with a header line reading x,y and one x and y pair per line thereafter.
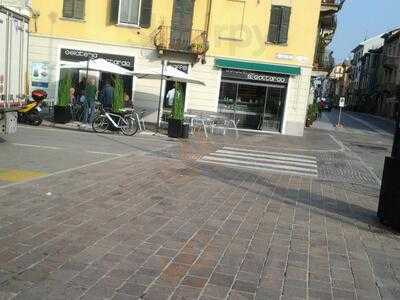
x,y
110,138
339,210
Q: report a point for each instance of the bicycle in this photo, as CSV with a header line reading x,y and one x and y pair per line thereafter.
x,y
77,112
123,121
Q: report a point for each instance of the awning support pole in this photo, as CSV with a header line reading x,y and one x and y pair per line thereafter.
x,y
160,98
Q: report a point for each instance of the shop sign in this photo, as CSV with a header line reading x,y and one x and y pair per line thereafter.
x,y
254,76
127,62
181,67
40,76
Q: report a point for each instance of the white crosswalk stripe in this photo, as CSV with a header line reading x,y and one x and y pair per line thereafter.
x,y
275,162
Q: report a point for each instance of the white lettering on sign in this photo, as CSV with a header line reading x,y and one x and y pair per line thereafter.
x,y
266,78
85,54
77,55
254,76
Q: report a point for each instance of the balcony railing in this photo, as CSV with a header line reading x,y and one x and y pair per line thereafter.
x,y
180,40
328,22
324,61
331,6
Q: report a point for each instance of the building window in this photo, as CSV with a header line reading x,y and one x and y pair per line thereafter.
x,y
279,24
131,12
74,9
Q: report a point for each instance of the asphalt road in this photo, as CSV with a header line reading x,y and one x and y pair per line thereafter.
x,y
35,152
38,151
366,136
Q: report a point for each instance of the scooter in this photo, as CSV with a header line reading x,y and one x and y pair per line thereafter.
x,y
30,113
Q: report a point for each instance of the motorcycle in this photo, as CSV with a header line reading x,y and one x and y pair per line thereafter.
x,y
30,113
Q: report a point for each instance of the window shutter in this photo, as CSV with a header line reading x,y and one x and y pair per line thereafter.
x,y
68,9
285,21
125,14
145,13
274,24
79,9
114,9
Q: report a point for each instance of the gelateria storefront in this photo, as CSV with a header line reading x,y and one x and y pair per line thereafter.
x,y
255,100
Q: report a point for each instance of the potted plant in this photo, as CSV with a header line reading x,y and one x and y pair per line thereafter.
x,y
176,127
118,99
62,111
311,116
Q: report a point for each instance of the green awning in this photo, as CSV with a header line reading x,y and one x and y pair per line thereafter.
x,y
259,67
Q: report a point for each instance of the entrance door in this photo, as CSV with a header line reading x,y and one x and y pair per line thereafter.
x,y
168,103
273,109
181,25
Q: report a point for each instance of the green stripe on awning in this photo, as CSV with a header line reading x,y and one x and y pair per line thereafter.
x,y
259,67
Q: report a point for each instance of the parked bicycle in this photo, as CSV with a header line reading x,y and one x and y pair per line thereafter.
x,y
124,121
77,112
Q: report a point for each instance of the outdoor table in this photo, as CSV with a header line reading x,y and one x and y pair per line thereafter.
x,y
204,121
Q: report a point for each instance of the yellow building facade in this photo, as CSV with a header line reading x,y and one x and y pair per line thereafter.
x,y
254,56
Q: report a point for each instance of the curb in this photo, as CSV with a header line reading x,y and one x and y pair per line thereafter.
x,y
66,127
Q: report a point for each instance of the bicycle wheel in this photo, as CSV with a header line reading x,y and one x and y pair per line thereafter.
x,y
100,124
130,126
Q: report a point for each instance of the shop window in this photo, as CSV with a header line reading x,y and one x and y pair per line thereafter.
x,y
74,9
131,12
252,106
279,24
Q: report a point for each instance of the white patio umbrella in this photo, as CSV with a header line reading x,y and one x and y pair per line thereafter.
x,y
99,64
166,73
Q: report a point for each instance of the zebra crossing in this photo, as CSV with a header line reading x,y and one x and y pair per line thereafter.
x,y
274,162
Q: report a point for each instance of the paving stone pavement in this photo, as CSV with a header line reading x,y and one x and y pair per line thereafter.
x,y
147,227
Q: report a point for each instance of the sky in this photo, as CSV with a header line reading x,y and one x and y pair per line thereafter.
x,y
361,19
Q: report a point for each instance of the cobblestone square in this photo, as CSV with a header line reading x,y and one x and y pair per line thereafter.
x,y
160,224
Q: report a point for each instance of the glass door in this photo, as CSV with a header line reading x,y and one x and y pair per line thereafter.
x,y
274,106
250,105
243,103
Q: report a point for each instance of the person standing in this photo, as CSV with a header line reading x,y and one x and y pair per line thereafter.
x,y
128,103
80,91
90,98
171,97
72,98
107,95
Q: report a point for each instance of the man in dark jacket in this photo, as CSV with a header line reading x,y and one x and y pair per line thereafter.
x,y
90,98
107,95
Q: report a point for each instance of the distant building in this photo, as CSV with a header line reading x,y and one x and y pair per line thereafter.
x,y
389,79
374,75
255,57
359,70
339,79
323,59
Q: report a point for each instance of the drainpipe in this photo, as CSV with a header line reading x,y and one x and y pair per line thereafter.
x,y
207,30
210,3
